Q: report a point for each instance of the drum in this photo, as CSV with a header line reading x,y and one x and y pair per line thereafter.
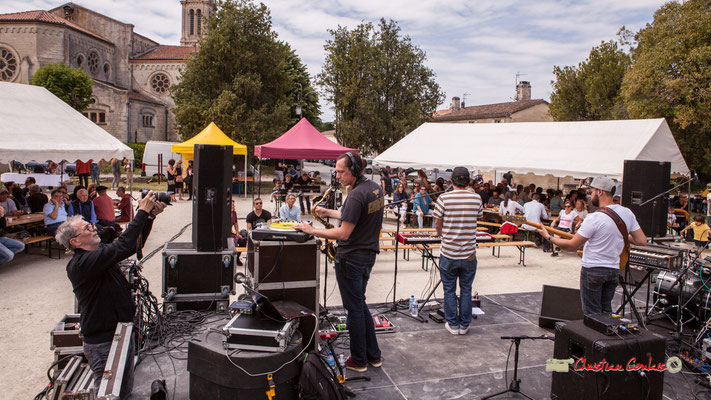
x,y
667,289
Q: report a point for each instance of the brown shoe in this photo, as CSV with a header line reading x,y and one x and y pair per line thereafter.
x,y
377,363
351,365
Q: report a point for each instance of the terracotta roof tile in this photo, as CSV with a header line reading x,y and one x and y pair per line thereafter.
x,y
48,18
164,52
498,110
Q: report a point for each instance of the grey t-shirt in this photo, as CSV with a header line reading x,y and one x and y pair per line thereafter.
x,y
364,208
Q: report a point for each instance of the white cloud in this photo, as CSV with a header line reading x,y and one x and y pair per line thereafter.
x,y
473,47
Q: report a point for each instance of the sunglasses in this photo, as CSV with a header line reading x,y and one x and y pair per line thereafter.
x,y
568,206
258,204
87,227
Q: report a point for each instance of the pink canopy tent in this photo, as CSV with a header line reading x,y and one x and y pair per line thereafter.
x,y
301,142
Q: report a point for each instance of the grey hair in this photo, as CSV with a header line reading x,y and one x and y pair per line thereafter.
x,y
66,231
290,195
34,188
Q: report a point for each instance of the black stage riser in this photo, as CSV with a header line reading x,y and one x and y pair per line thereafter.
x,y
575,340
643,180
212,196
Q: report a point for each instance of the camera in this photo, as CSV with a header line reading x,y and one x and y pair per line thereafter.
x,y
163,197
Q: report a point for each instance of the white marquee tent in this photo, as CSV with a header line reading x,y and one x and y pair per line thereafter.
x,y
37,125
577,149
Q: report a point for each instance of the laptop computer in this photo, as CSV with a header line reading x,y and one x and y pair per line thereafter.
x,y
277,310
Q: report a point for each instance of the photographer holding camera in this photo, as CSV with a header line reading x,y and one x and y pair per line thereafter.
x,y
101,289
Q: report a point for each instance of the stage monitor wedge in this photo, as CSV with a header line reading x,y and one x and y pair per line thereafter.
x,y
212,196
643,180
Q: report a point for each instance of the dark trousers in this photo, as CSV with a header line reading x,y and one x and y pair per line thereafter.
x,y
97,355
308,204
83,180
352,274
597,288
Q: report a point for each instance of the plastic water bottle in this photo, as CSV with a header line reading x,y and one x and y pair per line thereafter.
x,y
330,360
412,300
413,306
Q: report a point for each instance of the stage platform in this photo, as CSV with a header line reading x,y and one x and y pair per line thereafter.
x,y
424,361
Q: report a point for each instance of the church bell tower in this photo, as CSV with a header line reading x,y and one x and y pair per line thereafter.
x,y
195,15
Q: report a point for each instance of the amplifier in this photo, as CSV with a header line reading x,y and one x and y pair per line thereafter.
x,y
585,347
286,271
197,280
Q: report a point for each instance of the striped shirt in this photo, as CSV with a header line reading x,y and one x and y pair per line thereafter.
x,y
459,210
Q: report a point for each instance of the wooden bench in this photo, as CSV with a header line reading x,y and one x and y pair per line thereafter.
x,y
521,246
48,241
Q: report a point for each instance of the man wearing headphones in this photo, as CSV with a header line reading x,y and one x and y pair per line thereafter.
x,y
361,219
601,233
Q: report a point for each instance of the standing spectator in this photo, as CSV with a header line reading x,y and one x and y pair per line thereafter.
x,y
83,206
385,182
170,172
304,180
54,212
8,247
104,207
37,199
8,204
456,214
116,172
189,179
681,203
509,178
124,205
422,206
708,204
394,179
128,166
179,179
95,172
83,169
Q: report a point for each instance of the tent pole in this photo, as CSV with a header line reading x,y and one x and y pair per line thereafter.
x,y
130,182
558,185
245,176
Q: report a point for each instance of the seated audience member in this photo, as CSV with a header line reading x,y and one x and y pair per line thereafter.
x,y
681,203
494,200
240,238
8,247
400,200
277,190
510,206
28,182
556,202
701,232
671,218
415,190
258,215
20,199
54,212
288,211
77,188
288,183
566,220
124,205
525,196
8,204
292,171
392,174
37,199
83,206
582,210
534,211
316,178
421,206
92,191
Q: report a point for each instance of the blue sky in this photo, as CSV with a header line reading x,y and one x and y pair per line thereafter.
x,y
474,47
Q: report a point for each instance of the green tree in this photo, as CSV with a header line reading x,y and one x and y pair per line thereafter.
x,y
671,77
242,78
72,85
302,91
591,91
378,83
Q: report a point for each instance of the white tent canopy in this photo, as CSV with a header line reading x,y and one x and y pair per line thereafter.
x,y
37,125
577,149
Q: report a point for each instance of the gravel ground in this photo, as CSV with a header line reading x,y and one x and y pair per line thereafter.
x,y
36,292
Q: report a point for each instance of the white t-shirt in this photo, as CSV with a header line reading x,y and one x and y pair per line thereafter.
x,y
605,242
708,204
566,220
534,212
511,209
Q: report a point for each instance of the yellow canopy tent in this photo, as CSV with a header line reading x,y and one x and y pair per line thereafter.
x,y
211,135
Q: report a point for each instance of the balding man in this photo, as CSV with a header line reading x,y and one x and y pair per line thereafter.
x,y
83,206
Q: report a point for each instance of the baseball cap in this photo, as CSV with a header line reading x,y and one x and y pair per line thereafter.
x,y
460,176
4,190
603,183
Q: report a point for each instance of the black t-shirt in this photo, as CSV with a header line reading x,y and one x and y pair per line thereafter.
x,y
364,208
301,181
253,219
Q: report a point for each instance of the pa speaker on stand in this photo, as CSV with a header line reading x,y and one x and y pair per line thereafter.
x,y
212,196
642,180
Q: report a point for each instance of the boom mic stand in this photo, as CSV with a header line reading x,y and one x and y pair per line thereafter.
x,y
515,385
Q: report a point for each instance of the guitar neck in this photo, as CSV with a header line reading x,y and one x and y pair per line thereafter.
x,y
560,233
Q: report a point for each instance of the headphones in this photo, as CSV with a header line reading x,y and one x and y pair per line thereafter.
x,y
355,167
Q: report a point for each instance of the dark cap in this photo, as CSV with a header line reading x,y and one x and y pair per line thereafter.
x,y
101,188
460,176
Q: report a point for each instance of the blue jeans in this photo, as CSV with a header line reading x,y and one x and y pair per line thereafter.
x,y
449,271
352,273
8,249
421,218
597,288
98,354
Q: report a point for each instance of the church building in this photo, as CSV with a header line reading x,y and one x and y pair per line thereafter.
x,y
131,73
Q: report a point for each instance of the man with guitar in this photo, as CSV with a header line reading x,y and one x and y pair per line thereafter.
x,y
606,234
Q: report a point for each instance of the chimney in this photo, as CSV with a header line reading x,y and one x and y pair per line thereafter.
x,y
455,104
523,91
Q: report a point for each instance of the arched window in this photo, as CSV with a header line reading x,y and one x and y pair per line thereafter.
x,y
92,62
199,22
192,21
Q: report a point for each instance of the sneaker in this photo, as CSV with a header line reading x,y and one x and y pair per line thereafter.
x,y
554,254
453,330
351,365
463,330
376,364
